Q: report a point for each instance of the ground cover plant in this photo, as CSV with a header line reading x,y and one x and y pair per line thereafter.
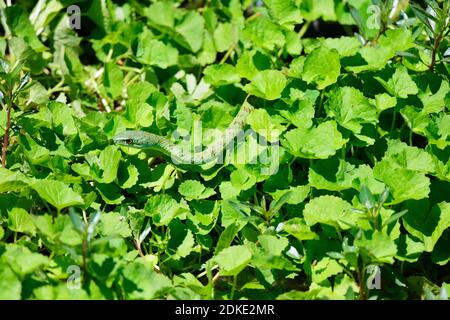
x,y
349,98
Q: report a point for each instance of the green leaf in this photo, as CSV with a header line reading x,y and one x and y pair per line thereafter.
x,y
161,13
324,269
128,175
377,247
193,189
19,23
227,236
112,80
78,224
441,254
140,91
434,102
57,230
284,11
293,43
110,193
186,247
101,15
163,208
10,286
114,224
57,193
34,152
345,46
438,131
61,292
233,260
408,249
427,224
322,66
144,283
22,261
221,74
412,158
267,84
401,84
264,125
366,198
139,114
376,57
350,108
23,82
191,29
62,118
264,33
301,113
299,229
155,53
384,101
330,210
336,175
224,36
423,16
251,62
242,180
313,10
19,220
404,183
296,194
108,162
318,142
416,119
272,245
12,180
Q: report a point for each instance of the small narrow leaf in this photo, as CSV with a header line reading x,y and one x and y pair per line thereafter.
x,y
366,198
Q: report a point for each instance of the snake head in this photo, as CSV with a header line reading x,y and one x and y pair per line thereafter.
x,y
136,139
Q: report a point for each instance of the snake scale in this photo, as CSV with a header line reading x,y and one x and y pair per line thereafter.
x,y
146,140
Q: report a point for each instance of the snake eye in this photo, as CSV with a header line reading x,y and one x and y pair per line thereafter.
x,y
129,141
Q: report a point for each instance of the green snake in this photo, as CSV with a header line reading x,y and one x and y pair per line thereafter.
x,y
150,141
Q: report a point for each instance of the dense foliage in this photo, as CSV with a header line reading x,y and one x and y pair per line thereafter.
x,y
356,93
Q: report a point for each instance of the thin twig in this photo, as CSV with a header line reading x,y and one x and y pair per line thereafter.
x,y
84,257
6,136
216,277
437,43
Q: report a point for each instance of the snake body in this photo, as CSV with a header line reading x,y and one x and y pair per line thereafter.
x,y
146,140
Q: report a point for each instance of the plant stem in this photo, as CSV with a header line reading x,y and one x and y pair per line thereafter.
x,y
84,255
338,232
138,248
437,43
227,54
233,46
374,215
394,119
343,152
304,28
411,138
362,285
6,136
253,16
234,287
